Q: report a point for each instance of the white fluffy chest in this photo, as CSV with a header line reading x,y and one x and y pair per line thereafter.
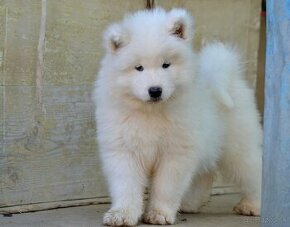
x,y
145,133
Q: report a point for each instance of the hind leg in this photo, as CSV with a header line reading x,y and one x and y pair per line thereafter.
x,y
197,194
242,158
242,162
250,180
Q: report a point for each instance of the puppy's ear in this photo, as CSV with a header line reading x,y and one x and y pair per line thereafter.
x,y
180,24
115,38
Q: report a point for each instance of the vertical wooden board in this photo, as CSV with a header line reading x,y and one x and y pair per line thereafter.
x,y
51,155
260,85
2,45
18,113
22,28
2,41
252,34
74,38
2,89
1,121
18,103
235,22
276,168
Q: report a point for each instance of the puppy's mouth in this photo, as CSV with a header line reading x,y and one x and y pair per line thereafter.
x,y
155,100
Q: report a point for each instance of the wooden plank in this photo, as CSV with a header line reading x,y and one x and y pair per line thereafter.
x,y
261,67
53,205
3,12
276,170
1,122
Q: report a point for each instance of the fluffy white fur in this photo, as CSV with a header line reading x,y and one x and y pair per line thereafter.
x,y
207,119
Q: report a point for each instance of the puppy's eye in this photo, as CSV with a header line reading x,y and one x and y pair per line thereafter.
x,y
139,68
166,65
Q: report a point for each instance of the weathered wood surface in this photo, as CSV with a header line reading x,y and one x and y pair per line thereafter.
x,y
276,170
48,151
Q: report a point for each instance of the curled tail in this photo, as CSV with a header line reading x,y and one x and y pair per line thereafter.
x,y
219,66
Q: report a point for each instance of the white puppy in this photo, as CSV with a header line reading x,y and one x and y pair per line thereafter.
x,y
169,118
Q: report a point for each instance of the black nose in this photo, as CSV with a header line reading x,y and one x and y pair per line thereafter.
x,y
155,92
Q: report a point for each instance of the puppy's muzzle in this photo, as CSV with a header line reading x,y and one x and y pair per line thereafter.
x,y
155,93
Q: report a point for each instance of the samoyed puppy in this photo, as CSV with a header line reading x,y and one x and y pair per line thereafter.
x,y
168,118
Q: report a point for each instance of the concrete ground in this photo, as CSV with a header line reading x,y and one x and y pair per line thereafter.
x,y
218,212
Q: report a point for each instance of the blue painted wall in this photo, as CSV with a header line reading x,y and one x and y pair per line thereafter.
x,y
276,159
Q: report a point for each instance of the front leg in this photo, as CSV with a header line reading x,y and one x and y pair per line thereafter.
x,y
171,179
126,183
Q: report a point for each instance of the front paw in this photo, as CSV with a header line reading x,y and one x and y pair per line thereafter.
x,y
120,217
159,217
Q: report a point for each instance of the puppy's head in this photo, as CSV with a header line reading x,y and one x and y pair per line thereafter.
x,y
149,54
